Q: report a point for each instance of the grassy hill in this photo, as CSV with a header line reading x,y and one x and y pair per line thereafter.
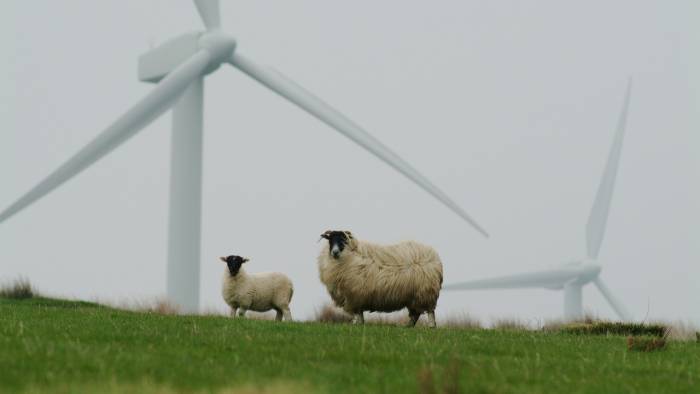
x,y
64,346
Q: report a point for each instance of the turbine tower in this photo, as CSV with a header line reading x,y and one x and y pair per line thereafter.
x,y
573,276
178,67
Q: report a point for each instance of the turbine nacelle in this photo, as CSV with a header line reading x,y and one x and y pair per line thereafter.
x,y
586,271
575,272
155,64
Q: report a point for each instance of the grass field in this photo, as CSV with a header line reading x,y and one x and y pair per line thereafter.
x,y
65,346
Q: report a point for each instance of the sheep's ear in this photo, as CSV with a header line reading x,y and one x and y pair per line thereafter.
x,y
245,259
349,234
223,259
326,235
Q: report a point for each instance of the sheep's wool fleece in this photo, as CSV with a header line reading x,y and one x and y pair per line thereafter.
x,y
258,292
370,277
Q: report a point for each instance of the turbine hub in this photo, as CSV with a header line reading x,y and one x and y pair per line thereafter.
x,y
588,271
219,45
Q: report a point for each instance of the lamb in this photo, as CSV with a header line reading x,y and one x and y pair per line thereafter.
x,y
361,276
258,292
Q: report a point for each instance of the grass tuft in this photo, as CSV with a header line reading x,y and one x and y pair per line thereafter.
x,y
509,325
681,331
557,324
615,328
426,382
20,289
450,379
645,344
462,321
158,306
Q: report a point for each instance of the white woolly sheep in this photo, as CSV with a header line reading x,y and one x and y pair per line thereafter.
x,y
361,276
258,292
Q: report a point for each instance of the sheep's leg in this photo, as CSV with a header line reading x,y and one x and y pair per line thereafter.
x,y
359,318
413,317
431,319
278,317
241,312
233,312
287,314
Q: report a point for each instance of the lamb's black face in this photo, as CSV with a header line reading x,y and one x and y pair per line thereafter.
x,y
234,263
337,241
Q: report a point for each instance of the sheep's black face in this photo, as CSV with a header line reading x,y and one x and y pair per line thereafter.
x,y
234,263
337,241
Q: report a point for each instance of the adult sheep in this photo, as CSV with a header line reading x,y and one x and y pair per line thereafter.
x,y
258,292
362,276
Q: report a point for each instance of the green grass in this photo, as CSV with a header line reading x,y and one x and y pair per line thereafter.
x,y
63,346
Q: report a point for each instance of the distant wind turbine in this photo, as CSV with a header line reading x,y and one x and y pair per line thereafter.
x,y
573,276
178,67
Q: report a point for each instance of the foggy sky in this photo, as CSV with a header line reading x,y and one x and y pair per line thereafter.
x,y
508,106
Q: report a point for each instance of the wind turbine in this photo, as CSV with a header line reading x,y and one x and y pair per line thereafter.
x,y
178,67
573,276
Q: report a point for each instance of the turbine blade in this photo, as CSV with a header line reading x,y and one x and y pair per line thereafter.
x,y
614,302
552,278
595,229
159,100
209,11
313,105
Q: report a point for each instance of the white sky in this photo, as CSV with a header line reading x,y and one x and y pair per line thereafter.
x,y
509,106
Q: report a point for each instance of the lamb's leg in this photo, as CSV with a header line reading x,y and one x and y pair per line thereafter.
x,y
413,317
287,314
359,318
241,312
431,319
233,312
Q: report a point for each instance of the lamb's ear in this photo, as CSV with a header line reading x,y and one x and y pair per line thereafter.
x,y
223,259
